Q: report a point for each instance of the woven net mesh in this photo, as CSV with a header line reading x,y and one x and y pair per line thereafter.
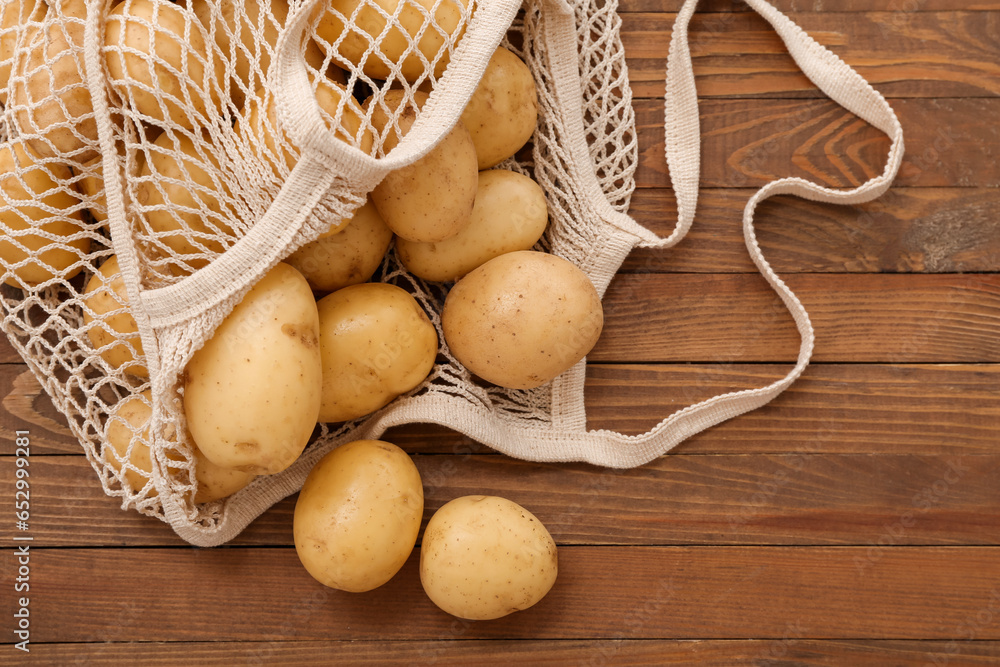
x,y
198,154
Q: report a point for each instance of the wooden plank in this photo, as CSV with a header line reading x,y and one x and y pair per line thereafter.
x,y
857,318
485,652
904,8
746,143
798,498
263,594
853,408
906,230
738,54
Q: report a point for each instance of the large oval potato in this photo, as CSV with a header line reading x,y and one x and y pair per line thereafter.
x,y
483,557
369,24
377,343
158,59
522,318
116,336
358,515
503,112
431,199
510,214
14,17
131,416
252,392
183,197
27,189
51,99
348,257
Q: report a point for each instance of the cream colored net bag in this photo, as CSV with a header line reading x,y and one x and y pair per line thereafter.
x,y
227,164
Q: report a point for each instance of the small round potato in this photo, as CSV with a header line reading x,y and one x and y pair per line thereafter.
x,y
510,214
14,17
160,63
348,257
483,557
377,343
53,107
181,192
431,199
522,318
358,515
503,112
132,416
252,392
115,337
27,189
369,23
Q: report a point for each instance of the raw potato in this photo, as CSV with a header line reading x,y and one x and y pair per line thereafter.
x,y
132,416
510,214
105,293
358,515
23,197
91,186
483,557
257,130
522,318
179,47
252,392
347,257
377,343
52,103
503,112
369,23
13,14
431,199
250,56
177,189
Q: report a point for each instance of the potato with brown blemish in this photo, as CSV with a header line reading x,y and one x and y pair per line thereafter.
x,y
252,392
358,515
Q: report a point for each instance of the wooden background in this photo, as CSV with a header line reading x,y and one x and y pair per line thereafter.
x,y
855,520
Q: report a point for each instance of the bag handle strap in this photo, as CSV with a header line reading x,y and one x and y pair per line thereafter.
x,y
683,144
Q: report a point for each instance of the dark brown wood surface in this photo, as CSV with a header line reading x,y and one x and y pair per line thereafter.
x,y
855,520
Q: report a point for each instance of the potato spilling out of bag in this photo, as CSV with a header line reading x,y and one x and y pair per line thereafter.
x,y
377,343
358,515
396,45
431,199
522,318
252,392
160,63
115,336
33,208
510,214
484,557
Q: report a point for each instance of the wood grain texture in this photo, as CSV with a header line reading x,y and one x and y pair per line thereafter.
x,y
738,54
486,652
738,318
746,143
902,7
649,592
797,498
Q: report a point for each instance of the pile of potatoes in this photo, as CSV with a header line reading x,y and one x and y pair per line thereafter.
x,y
314,340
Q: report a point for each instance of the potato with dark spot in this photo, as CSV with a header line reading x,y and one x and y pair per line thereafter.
x,y
522,318
483,557
358,515
252,393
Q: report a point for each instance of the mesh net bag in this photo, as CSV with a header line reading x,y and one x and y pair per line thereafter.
x,y
159,158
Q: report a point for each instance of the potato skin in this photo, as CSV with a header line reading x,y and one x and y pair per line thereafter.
x,y
510,214
377,343
24,195
252,393
105,292
14,13
522,318
484,557
431,199
358,515
503,112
